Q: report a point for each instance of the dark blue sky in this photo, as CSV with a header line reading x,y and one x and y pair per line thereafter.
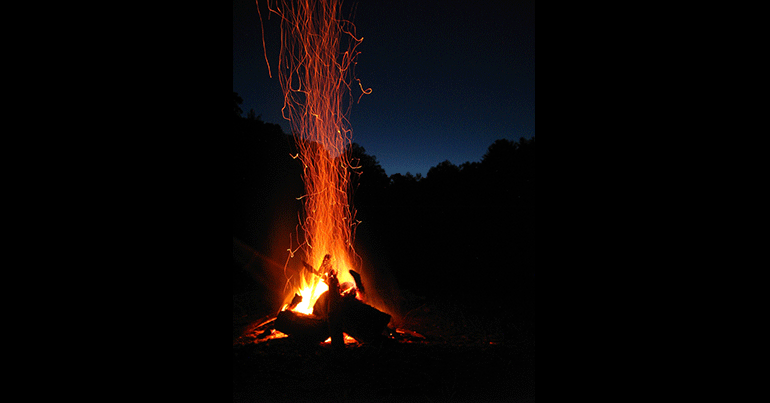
x,y
448,77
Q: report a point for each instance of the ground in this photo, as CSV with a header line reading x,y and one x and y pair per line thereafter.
x,y
462,358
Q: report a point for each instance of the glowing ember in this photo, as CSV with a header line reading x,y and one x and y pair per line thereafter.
x,y
348,340
315,70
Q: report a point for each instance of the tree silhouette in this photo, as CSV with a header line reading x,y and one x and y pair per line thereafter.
x,y
237,100
500,153
441,183
368,179
444,172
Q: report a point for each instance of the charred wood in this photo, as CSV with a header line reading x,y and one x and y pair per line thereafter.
x,y
335,312
301,326
357,278
363,322
334,309
321,304
294,302
347,314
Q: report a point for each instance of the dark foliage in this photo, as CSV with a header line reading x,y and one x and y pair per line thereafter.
x,y
368,180
463,230
266,182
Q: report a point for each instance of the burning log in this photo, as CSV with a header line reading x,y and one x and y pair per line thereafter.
x,y
320,308
347,314
302,327
361,321
335,312
295,301
357,278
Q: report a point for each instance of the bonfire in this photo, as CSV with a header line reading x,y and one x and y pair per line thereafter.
x,y
327,299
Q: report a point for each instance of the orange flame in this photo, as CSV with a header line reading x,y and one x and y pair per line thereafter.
x,y
315,74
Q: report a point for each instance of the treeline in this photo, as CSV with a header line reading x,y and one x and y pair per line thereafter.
x,y
505,174
460,230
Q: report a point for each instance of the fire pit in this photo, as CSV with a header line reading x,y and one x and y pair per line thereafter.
x,y
338,315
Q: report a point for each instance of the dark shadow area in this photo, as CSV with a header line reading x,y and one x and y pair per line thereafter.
x,y
265,183
283,371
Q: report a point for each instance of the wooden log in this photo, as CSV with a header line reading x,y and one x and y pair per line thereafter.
x,y
294,302
302,327
358,318
363,322
347,314
357,279
334,310
321,304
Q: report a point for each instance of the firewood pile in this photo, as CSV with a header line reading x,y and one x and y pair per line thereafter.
x,y
335,312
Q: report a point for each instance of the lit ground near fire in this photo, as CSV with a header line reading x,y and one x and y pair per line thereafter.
x,y
463,358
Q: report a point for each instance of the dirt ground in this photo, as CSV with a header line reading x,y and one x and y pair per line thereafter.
x,y
459,358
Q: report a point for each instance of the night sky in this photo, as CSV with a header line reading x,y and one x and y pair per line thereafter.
x,y
448,77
